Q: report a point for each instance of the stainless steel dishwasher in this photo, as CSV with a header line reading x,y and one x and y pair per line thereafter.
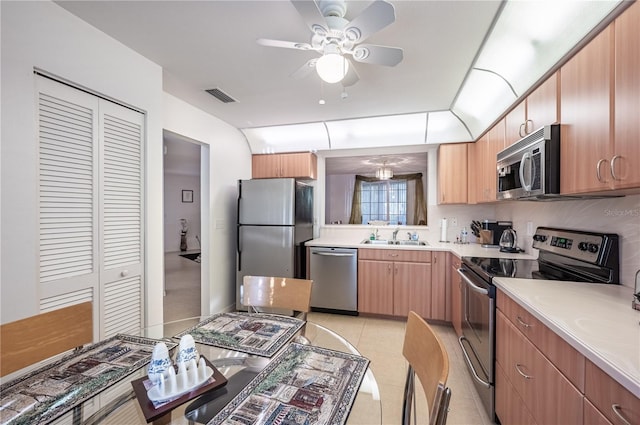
x,y
334,272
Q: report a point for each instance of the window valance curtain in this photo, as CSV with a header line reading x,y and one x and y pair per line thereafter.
x,y
420,204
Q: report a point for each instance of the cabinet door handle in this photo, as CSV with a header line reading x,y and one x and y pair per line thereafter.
x,y
612,166
598,175
389,268
522,322
393,255
395,270
526,126
522,129
617,409
124,273
524,375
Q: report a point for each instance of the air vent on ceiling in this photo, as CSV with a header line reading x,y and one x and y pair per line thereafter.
x,y
221,96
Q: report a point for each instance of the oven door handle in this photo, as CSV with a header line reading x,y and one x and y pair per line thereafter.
x,y
472,285
470,365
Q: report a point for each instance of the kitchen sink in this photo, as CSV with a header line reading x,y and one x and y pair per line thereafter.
x,y
392,242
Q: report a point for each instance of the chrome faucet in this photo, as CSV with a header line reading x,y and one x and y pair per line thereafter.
x,y
395,233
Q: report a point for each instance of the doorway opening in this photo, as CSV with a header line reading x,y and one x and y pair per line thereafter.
x,y
183,226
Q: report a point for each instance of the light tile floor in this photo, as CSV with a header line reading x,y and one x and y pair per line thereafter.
x,y
380,340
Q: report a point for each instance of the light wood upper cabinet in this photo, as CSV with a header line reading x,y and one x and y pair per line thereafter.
x,y
486,151
624,163
452,173
297,165
585,102
543,105
516,123
540,108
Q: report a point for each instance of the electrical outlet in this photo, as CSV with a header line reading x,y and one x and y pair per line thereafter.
x,y
454,221
529,228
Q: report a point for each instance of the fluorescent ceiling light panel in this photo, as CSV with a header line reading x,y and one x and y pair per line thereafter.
x,y
530,37
444,127
483,97
287,138
392,130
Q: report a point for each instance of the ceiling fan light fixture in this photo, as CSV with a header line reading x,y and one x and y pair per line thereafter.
x,y
332,67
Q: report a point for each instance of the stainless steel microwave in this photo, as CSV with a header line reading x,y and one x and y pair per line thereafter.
x,y
530,168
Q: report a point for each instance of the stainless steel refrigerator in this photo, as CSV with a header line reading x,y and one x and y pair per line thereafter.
x,y
275,219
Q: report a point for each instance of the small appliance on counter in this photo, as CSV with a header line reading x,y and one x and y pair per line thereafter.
x,y
509,241
492,231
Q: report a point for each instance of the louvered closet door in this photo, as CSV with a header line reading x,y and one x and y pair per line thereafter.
x,y
68,196
121,218
91,192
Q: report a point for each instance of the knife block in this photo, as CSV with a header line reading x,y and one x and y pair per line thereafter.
x,y
486,237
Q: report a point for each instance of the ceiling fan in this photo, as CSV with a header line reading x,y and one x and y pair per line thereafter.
x,y
334,37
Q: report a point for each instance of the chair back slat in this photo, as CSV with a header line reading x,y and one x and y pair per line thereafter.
x,y
429,360
277,292
36,338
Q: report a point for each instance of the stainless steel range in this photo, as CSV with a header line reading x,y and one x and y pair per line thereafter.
x,y
567,255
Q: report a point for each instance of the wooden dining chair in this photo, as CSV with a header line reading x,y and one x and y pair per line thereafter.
x,y
284,293
36,338
428,360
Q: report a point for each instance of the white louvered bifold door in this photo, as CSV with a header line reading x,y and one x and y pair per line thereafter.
x,y
91,210
68,195
122,218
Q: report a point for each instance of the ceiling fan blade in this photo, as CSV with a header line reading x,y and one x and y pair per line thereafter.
x,y
352,76
311,16
306,69
375,17
285,44
377,55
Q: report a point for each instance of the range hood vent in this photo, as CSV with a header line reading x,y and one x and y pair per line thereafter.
x,y
221,96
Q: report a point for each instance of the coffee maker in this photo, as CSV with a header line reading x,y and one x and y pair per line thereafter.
x,y
491,232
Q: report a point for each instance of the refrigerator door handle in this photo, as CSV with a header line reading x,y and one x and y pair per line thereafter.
x,y
239,247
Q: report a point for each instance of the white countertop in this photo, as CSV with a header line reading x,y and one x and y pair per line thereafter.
x,y
460,250
595,319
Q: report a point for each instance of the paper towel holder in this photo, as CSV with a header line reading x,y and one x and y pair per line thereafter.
x,y
443,231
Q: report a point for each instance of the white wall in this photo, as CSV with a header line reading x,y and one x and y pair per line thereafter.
x,y
229,160
175,209
43,35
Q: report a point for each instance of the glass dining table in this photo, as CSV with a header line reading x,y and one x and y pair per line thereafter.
x,y
242,370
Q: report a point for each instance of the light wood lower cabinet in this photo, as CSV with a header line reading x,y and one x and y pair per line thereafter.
x,y
614,401
375,287
592,416
393,282
543,389
456,294
511,408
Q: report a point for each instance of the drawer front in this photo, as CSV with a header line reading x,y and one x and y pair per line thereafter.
x,y
592,416
605,393
509,406
550,397
567,359
415,256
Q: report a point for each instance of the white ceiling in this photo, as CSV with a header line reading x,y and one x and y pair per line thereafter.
x,y
212,44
